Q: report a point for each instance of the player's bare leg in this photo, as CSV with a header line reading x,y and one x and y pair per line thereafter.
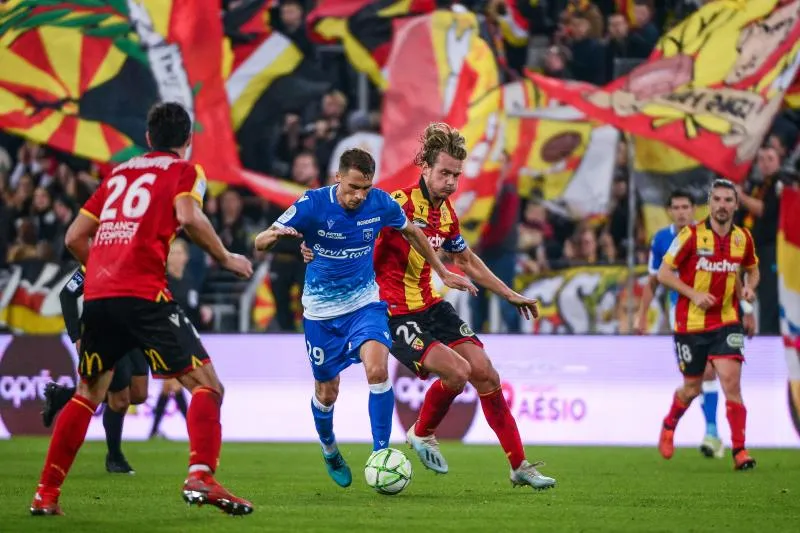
x,y
205,441
68,436
729,370
712,445
691,389
325,395
453,372
486,381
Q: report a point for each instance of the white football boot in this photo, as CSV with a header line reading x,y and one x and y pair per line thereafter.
x,y
527,474
712,447
428,450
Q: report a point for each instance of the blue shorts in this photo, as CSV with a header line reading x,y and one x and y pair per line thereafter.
x,y
333,345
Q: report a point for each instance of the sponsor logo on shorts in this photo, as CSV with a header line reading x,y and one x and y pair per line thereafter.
x,y
23,379
465,330
735,340
716,266
409,392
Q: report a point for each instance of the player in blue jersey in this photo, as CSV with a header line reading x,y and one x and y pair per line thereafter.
x,y
344,320
681,210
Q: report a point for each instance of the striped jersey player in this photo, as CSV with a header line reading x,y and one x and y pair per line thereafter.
x,y
703,265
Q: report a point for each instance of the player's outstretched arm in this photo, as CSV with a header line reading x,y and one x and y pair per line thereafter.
x,y
268,238
474,267
78,235
421,244
196,224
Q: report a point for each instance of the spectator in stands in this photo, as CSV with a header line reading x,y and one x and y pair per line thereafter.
x,y
591,13
645,36
762,204
617,225
183,287
305,170
556,60
583,248
24,247
290,22
588,56
231,225
619,46
22,197
64,210
47,224
329,127
535,237
362,135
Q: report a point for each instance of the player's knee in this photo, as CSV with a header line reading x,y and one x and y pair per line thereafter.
x,y
484,373
458,376
327,395
377,374
692,388
119,401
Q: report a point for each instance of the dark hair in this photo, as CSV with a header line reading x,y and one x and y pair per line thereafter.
x,y
169,126
357,159
680,193
724,184
437,138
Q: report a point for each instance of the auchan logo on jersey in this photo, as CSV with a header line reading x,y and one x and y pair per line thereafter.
x,y
436,241
116,232
716,266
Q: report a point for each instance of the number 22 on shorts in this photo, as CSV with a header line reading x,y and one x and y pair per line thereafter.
x,y
315,353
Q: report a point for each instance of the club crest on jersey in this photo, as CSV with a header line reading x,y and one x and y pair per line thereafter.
x,y
368,234
737,240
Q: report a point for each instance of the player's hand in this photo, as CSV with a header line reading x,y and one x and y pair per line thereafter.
x,y
528,308
748,294
454,281
308,253
703,300
749,324
239,265
287,232
641,324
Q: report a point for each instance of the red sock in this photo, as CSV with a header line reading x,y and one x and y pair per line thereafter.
x,y
737,418
68,436
205,431
675,412
502,422
437,403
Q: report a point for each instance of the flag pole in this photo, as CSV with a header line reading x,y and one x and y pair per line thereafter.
x,y
631,256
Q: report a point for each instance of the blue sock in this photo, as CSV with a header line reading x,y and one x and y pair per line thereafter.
x,y
323,420
381,407
710,399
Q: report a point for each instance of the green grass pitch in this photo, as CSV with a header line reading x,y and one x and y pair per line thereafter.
x,y
599,489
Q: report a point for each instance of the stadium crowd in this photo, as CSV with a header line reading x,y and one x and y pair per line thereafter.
x,y
41,189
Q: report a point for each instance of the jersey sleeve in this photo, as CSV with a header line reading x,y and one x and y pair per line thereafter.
x,y
94,205
299,215
192,182
395,214
750,258
681,248
455,243
656,255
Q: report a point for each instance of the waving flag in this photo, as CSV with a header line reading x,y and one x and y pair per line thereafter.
x,y
463,92
557,154
364,28
712,86
80,76
789,291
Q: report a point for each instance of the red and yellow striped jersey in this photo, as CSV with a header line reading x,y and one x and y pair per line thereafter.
x,y
403,275
710,264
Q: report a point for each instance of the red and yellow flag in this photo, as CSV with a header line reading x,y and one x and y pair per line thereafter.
x,y
462,90
712,86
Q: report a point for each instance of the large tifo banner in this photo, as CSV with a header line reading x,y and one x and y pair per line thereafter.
x,y
562,390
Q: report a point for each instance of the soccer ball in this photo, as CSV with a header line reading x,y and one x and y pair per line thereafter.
x,y
388,471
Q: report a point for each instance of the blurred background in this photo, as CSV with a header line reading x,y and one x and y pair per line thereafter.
x,y
555,203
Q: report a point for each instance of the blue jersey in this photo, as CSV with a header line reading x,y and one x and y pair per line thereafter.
x,y
341,278
662,240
